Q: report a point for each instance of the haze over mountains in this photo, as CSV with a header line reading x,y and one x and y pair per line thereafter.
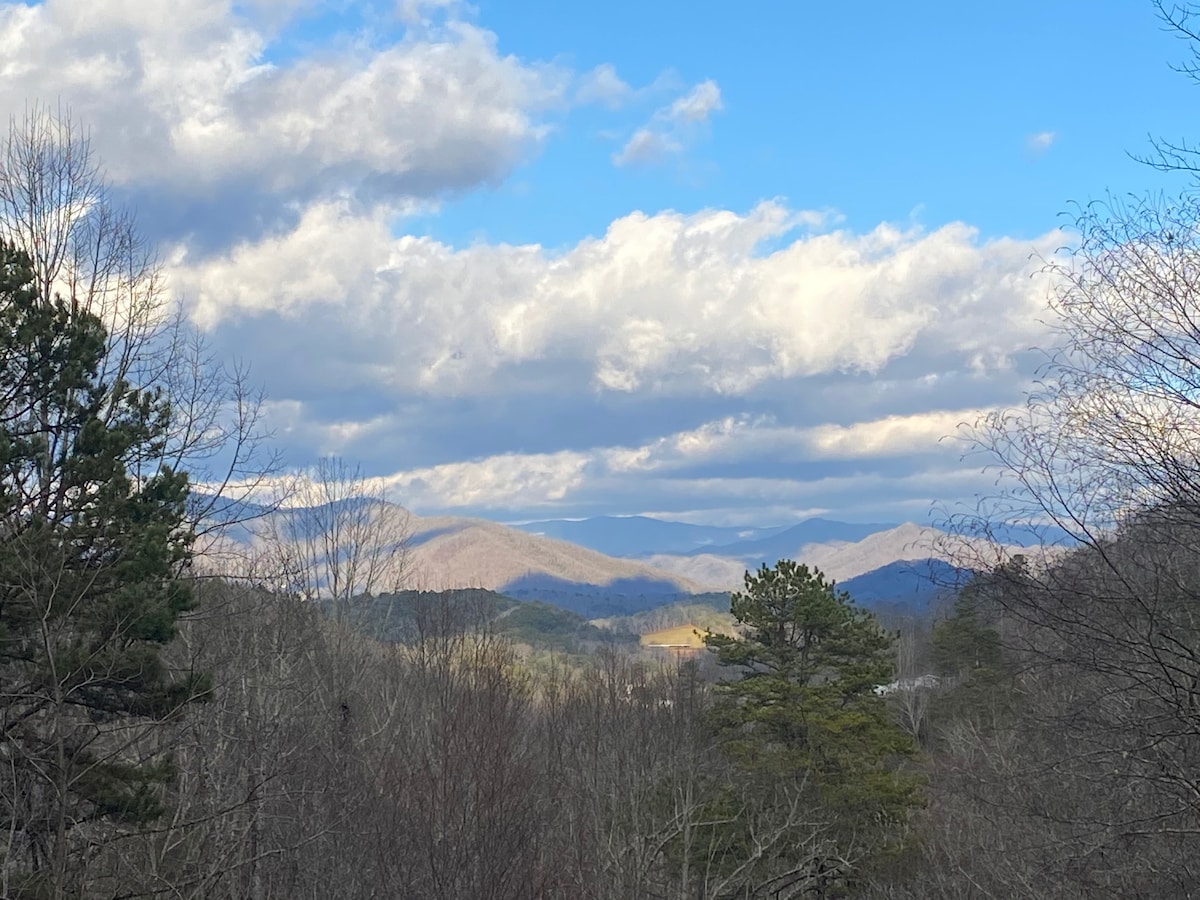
x,y
642,536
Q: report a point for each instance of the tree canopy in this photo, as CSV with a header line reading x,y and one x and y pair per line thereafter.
x,y
802,712
94,541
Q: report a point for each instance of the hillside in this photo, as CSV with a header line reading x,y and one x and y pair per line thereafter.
x,y
452,552
904,587
840,559
721,572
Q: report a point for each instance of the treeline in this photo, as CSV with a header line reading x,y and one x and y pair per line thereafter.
x,y
323,764
1061,745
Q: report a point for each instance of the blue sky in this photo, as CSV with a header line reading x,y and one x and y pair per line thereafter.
x,y
884,113
520,260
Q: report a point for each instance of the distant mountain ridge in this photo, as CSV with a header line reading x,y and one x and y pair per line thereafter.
x,y
460,552
904,587
842,560
638,536
880,563
788,543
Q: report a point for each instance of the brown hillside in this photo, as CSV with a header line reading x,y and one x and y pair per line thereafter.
x,y
449,552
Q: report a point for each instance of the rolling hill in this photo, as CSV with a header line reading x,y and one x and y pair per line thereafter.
x,y
453,552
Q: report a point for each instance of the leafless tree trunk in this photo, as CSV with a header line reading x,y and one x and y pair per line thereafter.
x,y
334,540
915,685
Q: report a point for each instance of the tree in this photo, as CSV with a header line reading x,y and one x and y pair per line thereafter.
x,y
968,642
1104,639
83,245
94,541
802,716
337,541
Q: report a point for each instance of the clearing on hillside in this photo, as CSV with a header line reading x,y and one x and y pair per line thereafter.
x,y
688,636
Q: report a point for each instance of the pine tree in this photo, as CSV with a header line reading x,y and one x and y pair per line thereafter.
x,y
802,717
92,544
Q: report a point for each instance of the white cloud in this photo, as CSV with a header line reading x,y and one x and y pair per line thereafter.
x,y
697,104
931,483
898,435
529,481
181,94
511,480
549,482
741,439
899,459
672,128
604,86
738,516
419,10
669,303
1040,142
647,147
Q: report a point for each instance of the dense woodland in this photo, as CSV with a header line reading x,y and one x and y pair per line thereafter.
x,y
183,718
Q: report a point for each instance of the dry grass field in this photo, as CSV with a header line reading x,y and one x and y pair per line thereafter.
x,y
680,636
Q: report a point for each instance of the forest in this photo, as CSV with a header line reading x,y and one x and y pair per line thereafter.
x,y
183,717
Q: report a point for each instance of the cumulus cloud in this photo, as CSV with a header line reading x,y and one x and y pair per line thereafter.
x,y
285,177
684,304
672,127
181,94
507,481
770,339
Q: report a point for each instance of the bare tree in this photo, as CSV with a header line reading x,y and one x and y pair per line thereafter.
x,y
1106,639
914,686
334,540
105,405
1170,154
57,206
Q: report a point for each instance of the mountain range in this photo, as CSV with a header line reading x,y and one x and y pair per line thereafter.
x,y
650,562
450,552
641,536
636,536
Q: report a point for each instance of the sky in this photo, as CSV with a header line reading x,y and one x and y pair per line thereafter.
x,y
732,264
